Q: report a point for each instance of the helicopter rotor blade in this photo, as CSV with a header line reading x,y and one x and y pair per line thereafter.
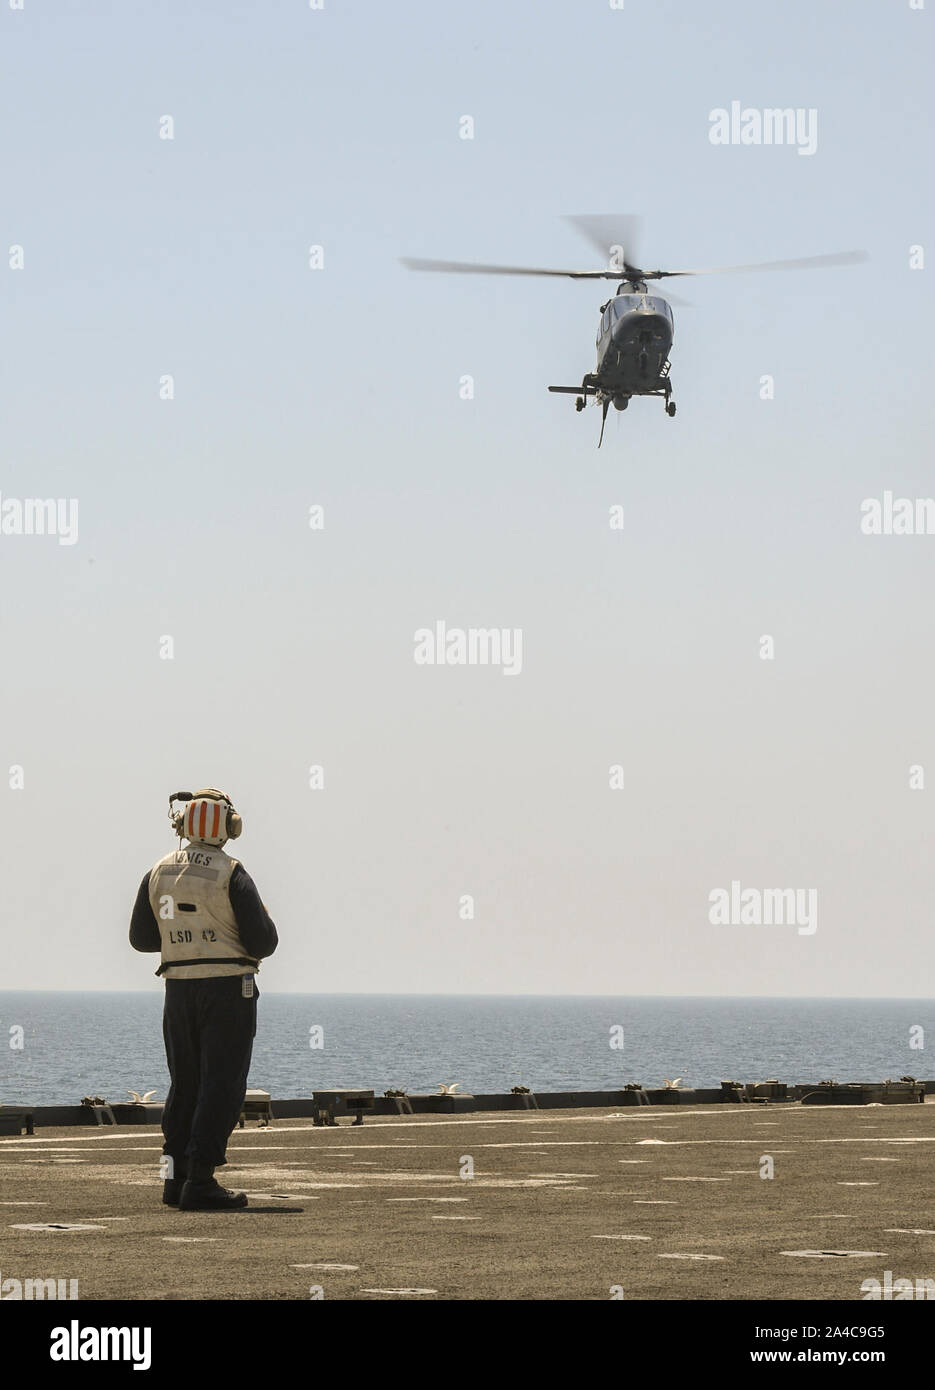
x,y
600,229
677,300
608,230
799,263
476,268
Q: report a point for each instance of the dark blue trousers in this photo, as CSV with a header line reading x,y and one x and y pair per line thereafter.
x,y
209,1029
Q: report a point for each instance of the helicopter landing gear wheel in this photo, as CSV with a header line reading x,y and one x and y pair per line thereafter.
x,y
579,403
670,407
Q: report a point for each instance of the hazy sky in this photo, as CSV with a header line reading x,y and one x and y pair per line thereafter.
x,y
340,387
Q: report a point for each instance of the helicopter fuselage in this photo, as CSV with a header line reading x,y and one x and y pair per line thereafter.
x,y
634,339
637,329
633,344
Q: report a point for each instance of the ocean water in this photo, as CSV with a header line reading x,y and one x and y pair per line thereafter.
x,y
77,1044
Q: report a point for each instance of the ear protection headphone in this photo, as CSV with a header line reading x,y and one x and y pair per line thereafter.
x,y
209,816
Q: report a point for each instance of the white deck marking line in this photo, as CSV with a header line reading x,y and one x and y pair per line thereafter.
x,y
837,1254
617,1143
621,1237
323,1265
713,1111
32,1142
67,1149
482,1118
407,1292
122,1149
674,1256
893,1139
800,1139
527,1144
455,1218
58,1227
906,1231
19,1144
312,1185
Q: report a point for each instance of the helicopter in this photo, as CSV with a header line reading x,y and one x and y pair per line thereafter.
x,y
637,328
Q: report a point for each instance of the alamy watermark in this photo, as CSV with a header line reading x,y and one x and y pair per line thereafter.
x,y
771,125
756,907
40,516
472,646
77,1343
889,1289
897,516
38,1289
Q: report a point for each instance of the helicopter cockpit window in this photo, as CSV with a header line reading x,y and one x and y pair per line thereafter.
x,y
623,303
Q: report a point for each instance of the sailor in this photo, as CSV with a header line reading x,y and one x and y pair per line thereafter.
x,y
200,908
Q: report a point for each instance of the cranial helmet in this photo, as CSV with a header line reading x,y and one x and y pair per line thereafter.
x,y
209,817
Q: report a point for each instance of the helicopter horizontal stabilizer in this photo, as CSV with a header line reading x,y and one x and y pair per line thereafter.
x,y
575,390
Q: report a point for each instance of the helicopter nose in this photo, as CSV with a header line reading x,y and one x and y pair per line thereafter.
x,y
644,322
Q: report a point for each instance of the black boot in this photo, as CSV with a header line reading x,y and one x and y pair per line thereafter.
x,y
172,1187
202,1193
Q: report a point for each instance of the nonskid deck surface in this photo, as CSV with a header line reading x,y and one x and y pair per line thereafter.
x,y
662,1204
